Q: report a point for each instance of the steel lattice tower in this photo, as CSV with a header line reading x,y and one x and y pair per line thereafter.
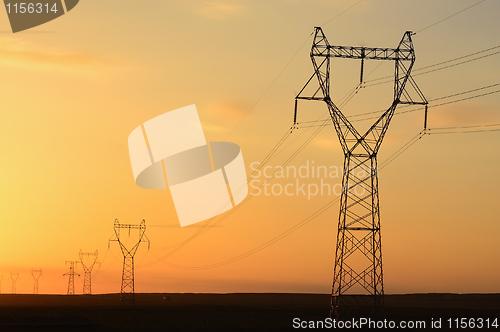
x,y
127,293
87,268
36,274
14,277
358,254
71,274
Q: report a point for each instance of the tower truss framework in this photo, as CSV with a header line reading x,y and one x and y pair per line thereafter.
x,y
14,277
88,265
36,274
71,277
358,253
127,292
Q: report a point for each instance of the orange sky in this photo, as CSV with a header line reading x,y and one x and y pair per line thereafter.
x,y
74,88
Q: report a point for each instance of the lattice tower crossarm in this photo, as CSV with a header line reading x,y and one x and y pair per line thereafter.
x,y
358,253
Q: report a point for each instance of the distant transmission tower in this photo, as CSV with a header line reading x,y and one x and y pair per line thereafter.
x,y
71,279
358,255
14,277
36,274
127,298
87,268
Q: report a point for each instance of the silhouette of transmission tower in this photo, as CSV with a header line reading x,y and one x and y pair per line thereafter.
x,y
71,278
127,293
36,274
14,277
87,268
358,255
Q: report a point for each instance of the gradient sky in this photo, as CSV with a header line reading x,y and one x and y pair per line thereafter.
x,y
73,89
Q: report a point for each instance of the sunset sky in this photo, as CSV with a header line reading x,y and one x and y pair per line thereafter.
x,y
73,89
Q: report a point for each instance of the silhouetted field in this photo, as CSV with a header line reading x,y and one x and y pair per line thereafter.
x,y
227,312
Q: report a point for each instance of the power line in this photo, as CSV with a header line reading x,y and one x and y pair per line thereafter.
x,y
297,226
430,66
465,92
205,227
343,101
448,17
266,158
420,108
459,58
355,90
359,218
324,208
463,99
264,245
405,147
281,72
437,69
391,158
267,89
341,135
341,13
439,63
457,64
467,127
395,155
274,151
464,129
464,132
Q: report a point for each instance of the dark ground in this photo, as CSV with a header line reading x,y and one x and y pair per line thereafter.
x,y
227,312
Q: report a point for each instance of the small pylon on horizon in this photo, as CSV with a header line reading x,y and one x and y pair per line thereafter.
x,y
71,279
36,274
14,277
